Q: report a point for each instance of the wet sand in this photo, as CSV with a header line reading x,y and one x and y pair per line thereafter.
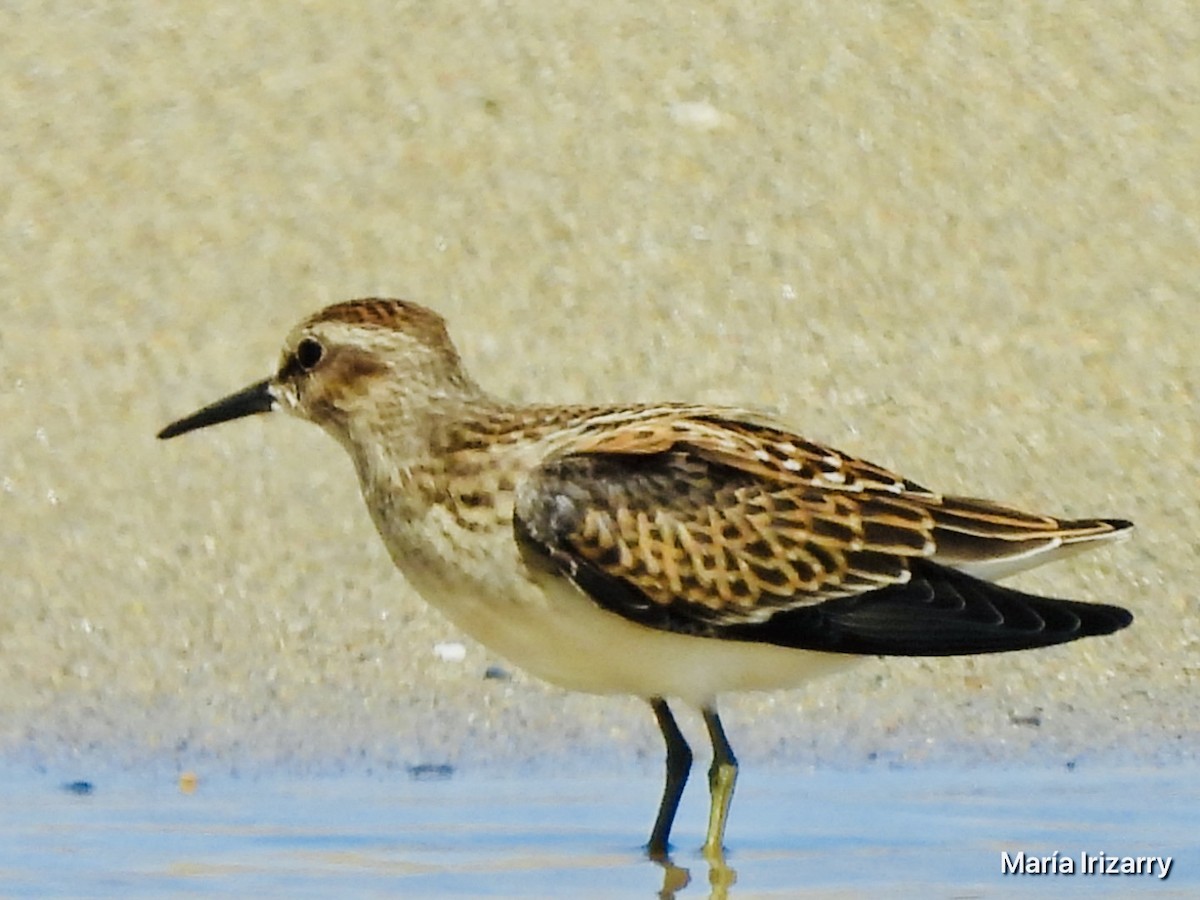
x,y
800,834
964,245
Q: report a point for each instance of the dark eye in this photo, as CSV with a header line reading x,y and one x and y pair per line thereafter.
x,y
309,352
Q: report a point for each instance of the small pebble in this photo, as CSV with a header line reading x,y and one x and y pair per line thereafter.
x,y
430,771
450,651
1033,720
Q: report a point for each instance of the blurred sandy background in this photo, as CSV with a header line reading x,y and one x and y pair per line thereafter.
x,y
956,238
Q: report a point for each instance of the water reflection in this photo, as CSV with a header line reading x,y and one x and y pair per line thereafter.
x,y
135,834
674,879
721,877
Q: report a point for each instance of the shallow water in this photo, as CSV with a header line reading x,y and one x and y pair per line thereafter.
x,y
928,833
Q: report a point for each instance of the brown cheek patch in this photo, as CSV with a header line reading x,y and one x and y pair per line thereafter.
x,y
342,372
348,365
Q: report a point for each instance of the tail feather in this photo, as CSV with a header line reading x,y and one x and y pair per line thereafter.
x,y
992,541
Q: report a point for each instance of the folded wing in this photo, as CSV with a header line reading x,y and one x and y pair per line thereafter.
x,y
728,529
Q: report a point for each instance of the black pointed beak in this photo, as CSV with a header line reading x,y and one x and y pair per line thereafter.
x,y
247,402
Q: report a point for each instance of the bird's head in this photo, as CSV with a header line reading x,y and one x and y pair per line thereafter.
x,y
354,365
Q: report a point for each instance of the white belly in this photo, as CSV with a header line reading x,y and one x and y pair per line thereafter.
x,y
546,626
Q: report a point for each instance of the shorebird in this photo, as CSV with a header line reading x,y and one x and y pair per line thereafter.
x,y
668,551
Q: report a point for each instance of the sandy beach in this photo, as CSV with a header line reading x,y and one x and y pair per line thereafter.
x,y
963,242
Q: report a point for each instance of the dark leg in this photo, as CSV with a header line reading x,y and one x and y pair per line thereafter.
x,y
721,778
679,764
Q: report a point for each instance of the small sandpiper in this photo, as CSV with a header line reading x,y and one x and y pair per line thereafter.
x,y
668,551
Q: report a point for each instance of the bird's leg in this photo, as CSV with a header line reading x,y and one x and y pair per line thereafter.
x,y
679,764
722,776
